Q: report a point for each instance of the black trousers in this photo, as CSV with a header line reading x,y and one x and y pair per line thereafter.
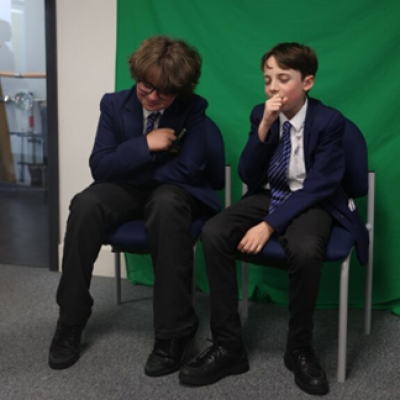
x,y
304,243
168,211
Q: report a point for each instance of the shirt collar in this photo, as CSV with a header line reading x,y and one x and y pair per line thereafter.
x,y
146,113
298,120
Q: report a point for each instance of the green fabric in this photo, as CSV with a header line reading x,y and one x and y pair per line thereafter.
x,y
357,43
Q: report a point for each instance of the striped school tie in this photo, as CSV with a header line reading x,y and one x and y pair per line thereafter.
x,y
278,170
151,119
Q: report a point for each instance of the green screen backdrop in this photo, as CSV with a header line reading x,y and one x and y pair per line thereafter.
x,y
358,47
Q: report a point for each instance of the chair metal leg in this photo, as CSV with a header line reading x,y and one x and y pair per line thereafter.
x,y
194,275
368,297
117,264
228,186
343,309
244,309
370,265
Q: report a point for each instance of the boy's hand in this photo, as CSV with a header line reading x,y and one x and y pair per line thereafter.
x,y
273,107
255,238
160,139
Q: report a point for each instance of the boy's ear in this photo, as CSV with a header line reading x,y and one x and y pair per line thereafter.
x,y
308,82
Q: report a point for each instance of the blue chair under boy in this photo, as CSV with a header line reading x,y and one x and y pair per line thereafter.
x,y
357,182
131,237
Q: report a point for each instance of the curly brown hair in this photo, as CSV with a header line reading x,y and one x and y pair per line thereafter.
x,y
171,65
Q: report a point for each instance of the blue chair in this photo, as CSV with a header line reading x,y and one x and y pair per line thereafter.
x,y
357,182
131,237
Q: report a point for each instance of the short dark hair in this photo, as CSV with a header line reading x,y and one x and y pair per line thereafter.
x,y
171,65
293,56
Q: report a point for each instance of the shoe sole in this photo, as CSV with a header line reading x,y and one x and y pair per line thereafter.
x,y
201,381
186,357
319,390
65,365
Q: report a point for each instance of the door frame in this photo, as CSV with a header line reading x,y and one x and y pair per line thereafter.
x,y
53,194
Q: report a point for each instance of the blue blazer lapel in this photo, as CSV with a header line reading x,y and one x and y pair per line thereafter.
x,y
274,133
307,139
172,117
132,116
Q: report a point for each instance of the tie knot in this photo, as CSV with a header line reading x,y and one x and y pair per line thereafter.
x,y
153,116
151,119
286,127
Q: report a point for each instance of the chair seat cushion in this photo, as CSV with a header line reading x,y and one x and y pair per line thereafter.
x,y
132,236
339,246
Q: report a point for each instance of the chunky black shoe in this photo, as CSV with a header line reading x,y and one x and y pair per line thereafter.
x,y
213,364
65,346
309,375
169,355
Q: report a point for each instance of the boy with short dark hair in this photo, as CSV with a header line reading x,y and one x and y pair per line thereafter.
x,y
295,145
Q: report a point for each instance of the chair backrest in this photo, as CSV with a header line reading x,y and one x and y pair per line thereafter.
x,y
215,161
355,179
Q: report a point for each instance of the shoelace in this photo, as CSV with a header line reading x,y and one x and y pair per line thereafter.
x,y
210,352
67,334
172,344
308,355
167,346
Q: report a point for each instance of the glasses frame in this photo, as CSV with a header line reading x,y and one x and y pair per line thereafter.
x,y
149,89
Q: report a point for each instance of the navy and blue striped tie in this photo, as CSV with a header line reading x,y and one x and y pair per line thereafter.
x,y
278,170
151,119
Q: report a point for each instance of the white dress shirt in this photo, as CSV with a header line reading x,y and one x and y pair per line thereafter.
x,y
297,168
146,114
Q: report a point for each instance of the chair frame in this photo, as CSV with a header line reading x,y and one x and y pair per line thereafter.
x,y
117,252
344,286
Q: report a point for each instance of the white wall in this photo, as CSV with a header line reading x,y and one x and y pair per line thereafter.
x,y
86,41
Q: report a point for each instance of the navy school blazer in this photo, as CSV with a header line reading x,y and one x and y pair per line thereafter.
x,y
121,154
324,163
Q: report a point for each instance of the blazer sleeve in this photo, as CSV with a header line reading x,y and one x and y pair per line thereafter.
x,y
256,155
322,179
113,157
189,164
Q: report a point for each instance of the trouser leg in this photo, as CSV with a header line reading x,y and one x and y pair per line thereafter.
x,y
305,243
221,236
169,212
93,212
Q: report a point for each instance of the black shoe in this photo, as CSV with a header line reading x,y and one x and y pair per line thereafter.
x,y
169,355
213,364
309,375
65,346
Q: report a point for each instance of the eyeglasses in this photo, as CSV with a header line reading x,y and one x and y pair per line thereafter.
x,y
147,88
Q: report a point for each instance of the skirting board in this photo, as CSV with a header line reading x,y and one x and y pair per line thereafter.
x,y
104,265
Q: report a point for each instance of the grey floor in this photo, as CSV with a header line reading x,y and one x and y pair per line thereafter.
x,y
119,339
23,226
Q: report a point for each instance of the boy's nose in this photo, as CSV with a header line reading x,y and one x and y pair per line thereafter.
x,y
153,95
274,87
